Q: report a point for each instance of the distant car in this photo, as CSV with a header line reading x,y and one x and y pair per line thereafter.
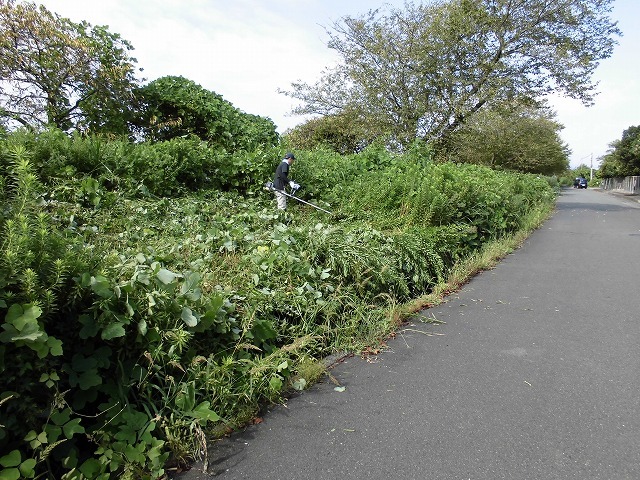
x,y
580,183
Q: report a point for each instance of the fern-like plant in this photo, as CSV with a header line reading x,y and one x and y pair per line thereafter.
x,y
36,262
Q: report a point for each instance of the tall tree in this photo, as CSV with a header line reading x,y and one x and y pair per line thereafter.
x,y
57,72
518,138
342,133
623,159
422,71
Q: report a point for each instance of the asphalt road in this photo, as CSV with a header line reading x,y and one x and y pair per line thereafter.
x,y
535,375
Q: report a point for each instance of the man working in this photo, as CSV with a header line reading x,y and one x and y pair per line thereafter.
x,y
281,179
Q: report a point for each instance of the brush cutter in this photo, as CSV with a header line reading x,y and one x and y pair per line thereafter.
x,y
269,186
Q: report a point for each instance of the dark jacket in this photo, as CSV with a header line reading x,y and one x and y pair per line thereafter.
x,y
281,178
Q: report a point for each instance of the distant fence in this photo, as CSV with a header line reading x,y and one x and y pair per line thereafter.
x,y
626,184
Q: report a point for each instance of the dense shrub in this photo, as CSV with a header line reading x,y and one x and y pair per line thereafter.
x,y
490,201
173,107
174,167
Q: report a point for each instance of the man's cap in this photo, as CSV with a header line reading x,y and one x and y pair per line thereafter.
x,y
289,155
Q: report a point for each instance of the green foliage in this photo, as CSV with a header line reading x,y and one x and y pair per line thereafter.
x,y
523,139
57,72
79,77
488,202
581,171
173,107
140,320
36,265
624,157
86,168
343,133
326,173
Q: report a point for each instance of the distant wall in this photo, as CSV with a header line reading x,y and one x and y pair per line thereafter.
x,y
626,184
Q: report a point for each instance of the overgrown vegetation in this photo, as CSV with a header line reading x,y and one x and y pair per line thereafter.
x,y
142,312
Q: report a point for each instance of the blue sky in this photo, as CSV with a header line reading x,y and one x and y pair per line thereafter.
x,y
246,50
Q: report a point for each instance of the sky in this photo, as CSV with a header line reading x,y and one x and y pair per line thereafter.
x,y
248,50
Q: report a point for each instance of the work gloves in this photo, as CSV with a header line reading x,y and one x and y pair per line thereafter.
x,y
294,185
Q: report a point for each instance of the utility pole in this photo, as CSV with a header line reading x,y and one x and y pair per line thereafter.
x,y
585,157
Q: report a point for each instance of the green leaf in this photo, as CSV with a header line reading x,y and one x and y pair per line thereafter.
x,y
55,346
133,455
6,336
80,363
72,427
27,468
186,399
166,276
85,279
262,330
189,287
42,438
51,434
12,459
188,317
90,327
90,468
37,440
100,286
29,333
71,461
142,327
275,383
113,330
40,348
21,315
143,278
10,474
203,412
61,417
299,384
89,379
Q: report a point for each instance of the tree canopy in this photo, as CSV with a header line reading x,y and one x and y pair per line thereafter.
x,y
174,106
424,70
343,133
520,138
57,72
624,157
